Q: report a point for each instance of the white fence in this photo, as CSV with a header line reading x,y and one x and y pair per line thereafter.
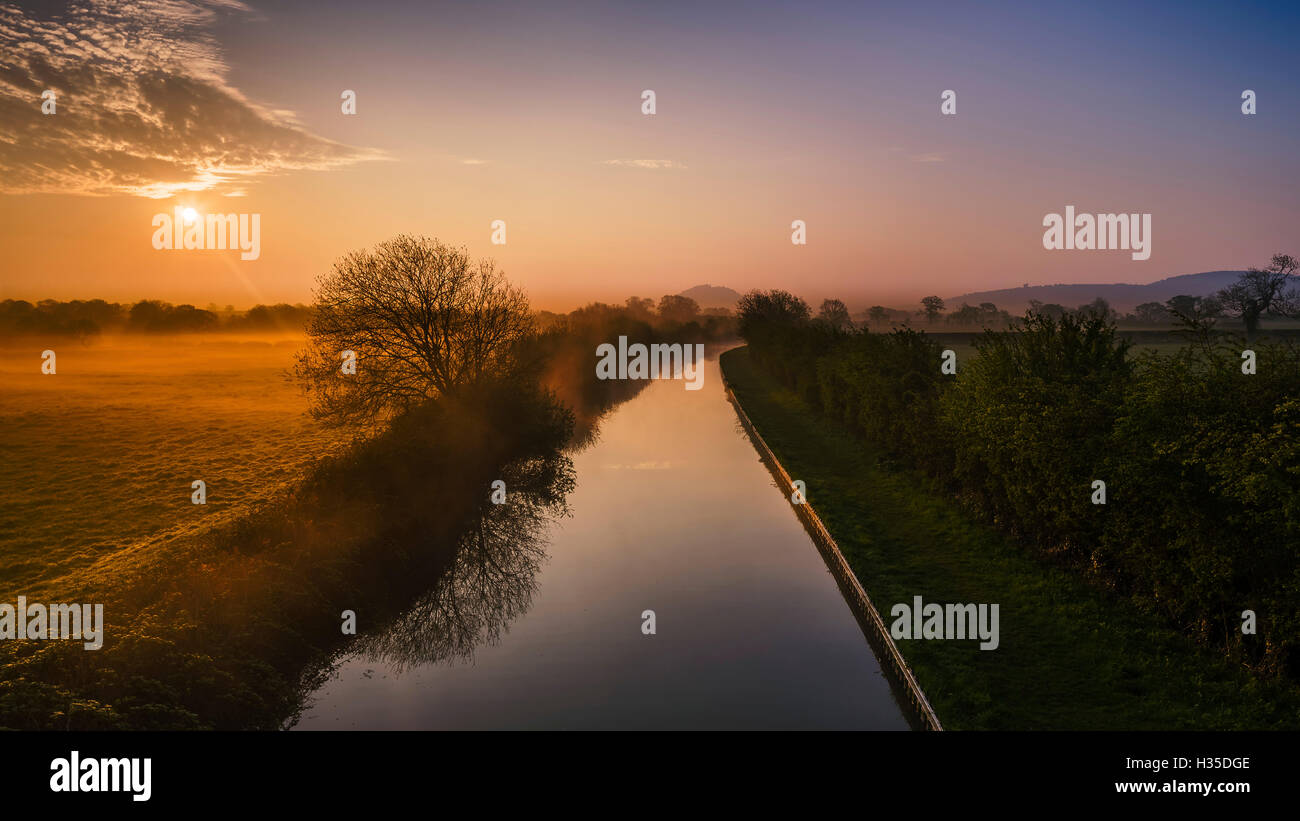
x,y
867,615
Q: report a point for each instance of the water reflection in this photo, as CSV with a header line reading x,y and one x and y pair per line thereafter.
x,y
491,579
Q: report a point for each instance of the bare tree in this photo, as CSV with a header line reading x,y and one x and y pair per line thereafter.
x,y
1262,290
422,320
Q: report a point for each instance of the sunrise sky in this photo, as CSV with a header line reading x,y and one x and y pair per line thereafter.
x,y
531,113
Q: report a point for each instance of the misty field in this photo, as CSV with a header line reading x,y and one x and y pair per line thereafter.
x,y
97,459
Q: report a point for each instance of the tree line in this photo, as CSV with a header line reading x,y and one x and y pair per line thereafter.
x,y
1200,460
91,317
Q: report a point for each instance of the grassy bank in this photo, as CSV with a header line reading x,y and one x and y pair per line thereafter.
x,y
1070,657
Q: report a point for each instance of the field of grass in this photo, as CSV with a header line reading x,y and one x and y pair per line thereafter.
x,y
1163,341
97,459
1071,657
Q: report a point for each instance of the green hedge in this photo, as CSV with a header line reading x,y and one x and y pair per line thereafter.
x,y
1201,462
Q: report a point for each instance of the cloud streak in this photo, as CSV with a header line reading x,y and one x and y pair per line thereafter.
x,y
651,164
143,104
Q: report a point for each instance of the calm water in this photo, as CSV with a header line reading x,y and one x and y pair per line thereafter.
x,y
673,512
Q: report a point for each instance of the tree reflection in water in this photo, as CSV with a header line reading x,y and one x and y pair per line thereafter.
x,y
492,578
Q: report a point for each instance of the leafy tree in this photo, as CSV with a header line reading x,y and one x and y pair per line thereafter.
x,y
835,314
1099,307
1151,313
932,306
163,317
773,306
1049,309
1196,317
966,315
641,308
678,308
878,313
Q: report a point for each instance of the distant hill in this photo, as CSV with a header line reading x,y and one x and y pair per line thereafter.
x,y
1121,296
713,296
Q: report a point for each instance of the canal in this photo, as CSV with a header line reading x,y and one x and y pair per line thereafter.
x,y
672,513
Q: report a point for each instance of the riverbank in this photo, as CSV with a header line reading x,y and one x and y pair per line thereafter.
x,y
1069,657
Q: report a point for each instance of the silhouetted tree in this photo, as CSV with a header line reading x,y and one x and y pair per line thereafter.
x,y
1196,316
771,306
1151,313
1099,307
423,321
678,308
835,314
640,308
965,315
1260,291
1049,309
932,306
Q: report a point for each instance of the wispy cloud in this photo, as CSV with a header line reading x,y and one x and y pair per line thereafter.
x,y
143,104
473,162
655,164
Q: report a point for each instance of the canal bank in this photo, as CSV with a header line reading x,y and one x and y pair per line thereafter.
x,y
1070,656
869,619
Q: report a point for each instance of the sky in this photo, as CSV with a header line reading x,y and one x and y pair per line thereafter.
x,y
531,113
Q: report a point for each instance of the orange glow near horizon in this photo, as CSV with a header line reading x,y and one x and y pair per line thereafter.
x,y
462,121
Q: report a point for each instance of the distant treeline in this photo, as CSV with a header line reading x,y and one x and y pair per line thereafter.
x,y
1201,461
678,316
566,344
988,315
90,317
676,319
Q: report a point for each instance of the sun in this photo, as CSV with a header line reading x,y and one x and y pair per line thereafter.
x,y
190,215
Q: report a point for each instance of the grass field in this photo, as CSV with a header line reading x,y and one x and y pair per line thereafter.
x,y
1070,657
97,459
1164,342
